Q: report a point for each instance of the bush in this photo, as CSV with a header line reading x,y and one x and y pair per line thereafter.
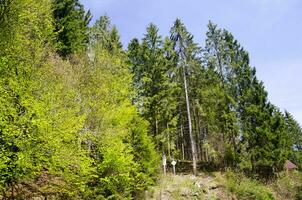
x,y
288,185
245,188
299,194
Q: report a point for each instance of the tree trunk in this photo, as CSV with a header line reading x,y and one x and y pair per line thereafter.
x,y
169,144
207,154
182,142
197,134
193,146
156,127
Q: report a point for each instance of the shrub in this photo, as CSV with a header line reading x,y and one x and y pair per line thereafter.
x,y
287,185
245,188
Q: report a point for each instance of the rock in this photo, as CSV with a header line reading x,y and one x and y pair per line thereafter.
x,y
195,194
201,186
198,184
192,177
38,198
185,192
214,187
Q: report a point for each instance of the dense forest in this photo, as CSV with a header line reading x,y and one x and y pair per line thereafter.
x,y
81,117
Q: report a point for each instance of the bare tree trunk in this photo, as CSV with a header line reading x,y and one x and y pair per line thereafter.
x,y
12,195
156,126
197,131
169,144
182,142
207,154
193,145
156,133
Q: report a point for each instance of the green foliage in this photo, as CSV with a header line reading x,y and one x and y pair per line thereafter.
x,y
144,154
105,35
245,188
123,152
186,65
154,91
212,97
288,185
66,127
17,131
82,127
59,120
71,24
295,138
109,112
251,125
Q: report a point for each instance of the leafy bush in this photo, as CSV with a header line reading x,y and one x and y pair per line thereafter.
x,y
288,185
248,189
299,194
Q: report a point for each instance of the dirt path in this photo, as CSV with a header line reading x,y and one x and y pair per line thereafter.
x,y
188,187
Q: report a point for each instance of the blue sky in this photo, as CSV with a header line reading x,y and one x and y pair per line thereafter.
x,y
270,30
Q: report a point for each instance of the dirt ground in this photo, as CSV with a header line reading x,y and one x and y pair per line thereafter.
x,y
184,186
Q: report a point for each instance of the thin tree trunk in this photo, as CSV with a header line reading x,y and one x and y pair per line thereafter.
x,y
169,144
193,146
182,142
156,134
198,137
156,126
12,195
207,155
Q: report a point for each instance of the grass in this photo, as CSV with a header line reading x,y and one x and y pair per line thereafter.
x,y
288,186
229,186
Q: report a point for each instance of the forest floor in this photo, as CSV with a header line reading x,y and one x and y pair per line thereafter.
x,y
185,186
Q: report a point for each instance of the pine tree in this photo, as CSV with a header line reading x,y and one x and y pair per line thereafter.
x,y
104,34
187,52
151,71
294,130
221,54
295,137
71,25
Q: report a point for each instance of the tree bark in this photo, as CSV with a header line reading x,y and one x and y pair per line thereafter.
x,y
182,142
169,144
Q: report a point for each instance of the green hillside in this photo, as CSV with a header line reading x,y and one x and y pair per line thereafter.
x,y
82,117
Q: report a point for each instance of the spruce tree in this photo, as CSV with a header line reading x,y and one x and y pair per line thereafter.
x,y
220,54
154,89
71,24
187,52
294,131
104,34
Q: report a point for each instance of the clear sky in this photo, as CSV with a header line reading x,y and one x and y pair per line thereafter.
x,y
270,30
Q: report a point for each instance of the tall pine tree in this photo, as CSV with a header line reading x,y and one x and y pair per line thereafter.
x,y
71,24
187,53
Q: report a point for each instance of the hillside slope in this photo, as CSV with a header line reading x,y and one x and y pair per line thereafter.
x,y
225,186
